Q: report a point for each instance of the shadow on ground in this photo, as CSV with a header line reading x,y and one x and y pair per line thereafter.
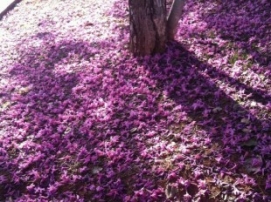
x,y
94,130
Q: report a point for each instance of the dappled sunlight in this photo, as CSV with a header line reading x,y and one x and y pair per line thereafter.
x,y
81,119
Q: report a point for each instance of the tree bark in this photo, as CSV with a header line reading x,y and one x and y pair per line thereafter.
x,y
147,26
174,16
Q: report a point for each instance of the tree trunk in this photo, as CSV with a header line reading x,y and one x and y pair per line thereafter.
x,y
147,26
174,16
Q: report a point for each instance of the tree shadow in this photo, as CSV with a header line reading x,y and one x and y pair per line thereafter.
x,y
97,144
239,137
246,24
35,93
74,131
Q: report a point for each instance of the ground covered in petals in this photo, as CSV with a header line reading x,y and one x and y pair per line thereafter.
x,y
81,119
